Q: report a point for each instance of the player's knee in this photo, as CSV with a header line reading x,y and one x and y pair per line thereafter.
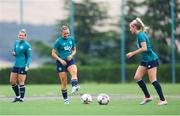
x,y
73,70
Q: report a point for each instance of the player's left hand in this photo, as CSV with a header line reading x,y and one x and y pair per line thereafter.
x,y
129,55
69,57
26,68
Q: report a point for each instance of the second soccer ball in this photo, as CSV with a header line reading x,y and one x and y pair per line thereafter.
x,y
103,99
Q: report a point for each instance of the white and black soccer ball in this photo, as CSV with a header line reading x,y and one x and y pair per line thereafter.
x,y
103,99
86,98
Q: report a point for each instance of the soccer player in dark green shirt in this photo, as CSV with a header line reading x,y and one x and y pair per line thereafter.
x,y
63,51
149,61
22,57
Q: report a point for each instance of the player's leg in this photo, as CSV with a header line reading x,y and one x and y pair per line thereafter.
x,y
63,81
62,73
72,69
152,77
141,70
21,80
15,87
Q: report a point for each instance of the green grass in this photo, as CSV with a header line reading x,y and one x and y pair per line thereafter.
x,y
115,107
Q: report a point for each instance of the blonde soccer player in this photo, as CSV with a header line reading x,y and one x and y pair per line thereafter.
x,y
149,61
63,52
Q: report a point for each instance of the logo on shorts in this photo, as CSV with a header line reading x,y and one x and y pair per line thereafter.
x,y
149,66
22,72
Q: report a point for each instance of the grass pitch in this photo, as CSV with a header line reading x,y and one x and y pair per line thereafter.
x,y
125,98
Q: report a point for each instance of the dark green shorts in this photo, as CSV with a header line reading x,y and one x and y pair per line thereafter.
x,y
150,64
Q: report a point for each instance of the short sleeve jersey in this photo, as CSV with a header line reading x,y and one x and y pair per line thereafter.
x,y
64,46
148,55
22,51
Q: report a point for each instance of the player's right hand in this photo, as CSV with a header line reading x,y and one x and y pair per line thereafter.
x,y
63,62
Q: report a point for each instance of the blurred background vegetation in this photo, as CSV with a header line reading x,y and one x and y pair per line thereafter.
x,y
96,46
98,49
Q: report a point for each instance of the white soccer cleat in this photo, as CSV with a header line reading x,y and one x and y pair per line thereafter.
x,y
160,103
75,89
146,100
66,101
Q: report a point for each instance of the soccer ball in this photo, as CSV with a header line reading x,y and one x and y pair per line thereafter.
x,y
103,99
86,98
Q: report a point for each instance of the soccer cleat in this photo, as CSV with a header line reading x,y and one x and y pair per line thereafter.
x,y
145,100
160,103
66,101
16,99
75,89
21,100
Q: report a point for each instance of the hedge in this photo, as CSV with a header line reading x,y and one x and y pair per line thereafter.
x,y
99,74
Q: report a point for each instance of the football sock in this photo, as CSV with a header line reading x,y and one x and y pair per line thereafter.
x,y
74,82
16,89
64,93
142,85
157,86
22,91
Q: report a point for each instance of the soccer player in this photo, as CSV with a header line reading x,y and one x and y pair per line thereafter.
x,y
22,57
149,61
63,51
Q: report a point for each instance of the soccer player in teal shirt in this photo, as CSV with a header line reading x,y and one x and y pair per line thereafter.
x,y
149,61
63,51
22,57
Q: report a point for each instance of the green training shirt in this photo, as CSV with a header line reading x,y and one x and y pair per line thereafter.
x,y
64,46
22,51
148,55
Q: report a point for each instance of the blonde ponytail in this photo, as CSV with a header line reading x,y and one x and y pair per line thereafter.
x,y
142,25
